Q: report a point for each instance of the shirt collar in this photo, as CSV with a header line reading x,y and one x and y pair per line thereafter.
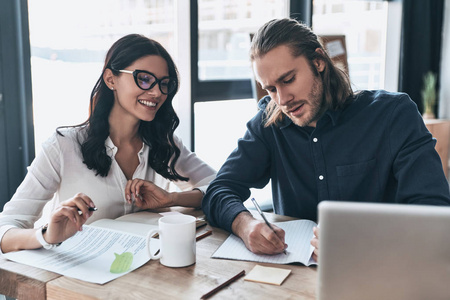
x,y
111,149
333,115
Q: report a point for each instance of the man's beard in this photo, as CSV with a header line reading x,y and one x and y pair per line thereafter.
x,y
317,105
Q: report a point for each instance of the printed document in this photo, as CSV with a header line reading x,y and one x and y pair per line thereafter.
x,y
94,254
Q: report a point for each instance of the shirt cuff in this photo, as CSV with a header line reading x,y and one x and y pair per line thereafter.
x,y
3,230
201,189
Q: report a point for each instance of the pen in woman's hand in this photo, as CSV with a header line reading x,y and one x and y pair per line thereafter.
x,y
90,209
264,218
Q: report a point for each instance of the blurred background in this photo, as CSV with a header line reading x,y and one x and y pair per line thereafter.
x,y
52,53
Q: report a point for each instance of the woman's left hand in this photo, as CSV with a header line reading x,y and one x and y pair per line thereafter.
x,y
147,195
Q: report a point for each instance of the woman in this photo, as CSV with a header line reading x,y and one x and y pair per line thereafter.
x,y
119,161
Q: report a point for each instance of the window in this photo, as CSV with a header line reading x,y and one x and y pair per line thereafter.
x,y
225,102
364,24
68,51
223,45
224,35
69,43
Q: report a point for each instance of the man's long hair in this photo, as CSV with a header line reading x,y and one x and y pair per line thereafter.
x,y
158,133
301,40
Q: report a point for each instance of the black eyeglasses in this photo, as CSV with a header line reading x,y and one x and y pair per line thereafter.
x,y
146,81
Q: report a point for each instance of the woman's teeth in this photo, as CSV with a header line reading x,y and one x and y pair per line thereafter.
x,y
147,103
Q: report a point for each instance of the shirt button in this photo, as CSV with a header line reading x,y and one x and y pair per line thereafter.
x,y
315,140
321,177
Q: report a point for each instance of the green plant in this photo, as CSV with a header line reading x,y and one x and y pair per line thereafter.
x,y
429,92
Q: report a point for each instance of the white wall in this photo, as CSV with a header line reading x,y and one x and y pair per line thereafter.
x,y
393,37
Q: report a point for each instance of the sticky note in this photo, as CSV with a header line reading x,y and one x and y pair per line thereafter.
x,y
122,263
268,275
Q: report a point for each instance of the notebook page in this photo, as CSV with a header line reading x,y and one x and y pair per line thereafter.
x,y
298,236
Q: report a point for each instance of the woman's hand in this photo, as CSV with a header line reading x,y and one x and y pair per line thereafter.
x,y
68,218
147,195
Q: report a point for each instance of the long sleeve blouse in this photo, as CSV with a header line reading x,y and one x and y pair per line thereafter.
x,y
58,173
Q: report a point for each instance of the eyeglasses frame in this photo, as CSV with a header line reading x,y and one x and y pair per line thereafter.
x,y
157,81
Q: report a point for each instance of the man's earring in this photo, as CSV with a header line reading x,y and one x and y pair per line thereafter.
x,y
112,88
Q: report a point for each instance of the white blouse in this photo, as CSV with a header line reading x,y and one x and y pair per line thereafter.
x,y
58,173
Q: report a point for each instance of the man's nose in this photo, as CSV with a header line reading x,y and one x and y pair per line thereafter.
x,y
283,96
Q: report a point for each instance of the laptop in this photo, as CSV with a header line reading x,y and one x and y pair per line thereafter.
x,y
383,251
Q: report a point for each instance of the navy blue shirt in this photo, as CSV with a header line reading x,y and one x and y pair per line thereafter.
x,y
377,149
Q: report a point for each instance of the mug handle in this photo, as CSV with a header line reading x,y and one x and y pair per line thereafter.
x,y
149,238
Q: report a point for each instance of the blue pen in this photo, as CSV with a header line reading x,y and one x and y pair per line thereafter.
x,y
264,217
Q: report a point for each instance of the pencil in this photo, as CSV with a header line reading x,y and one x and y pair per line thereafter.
x,y
264,218
229,281
203,235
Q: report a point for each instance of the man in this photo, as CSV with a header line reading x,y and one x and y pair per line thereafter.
x,y
317,140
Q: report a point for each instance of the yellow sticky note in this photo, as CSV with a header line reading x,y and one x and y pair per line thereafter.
x,y
268,275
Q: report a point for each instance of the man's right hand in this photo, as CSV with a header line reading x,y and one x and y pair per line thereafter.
x,y
257,236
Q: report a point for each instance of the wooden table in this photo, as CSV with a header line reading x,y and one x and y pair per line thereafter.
x,y
22,281
155,281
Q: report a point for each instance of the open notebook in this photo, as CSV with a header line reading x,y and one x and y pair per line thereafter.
x,y
298,236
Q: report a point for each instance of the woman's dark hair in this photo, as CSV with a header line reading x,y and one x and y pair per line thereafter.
x,y
158,133
301,41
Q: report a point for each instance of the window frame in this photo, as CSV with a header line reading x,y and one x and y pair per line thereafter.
x,y
215,90
16,114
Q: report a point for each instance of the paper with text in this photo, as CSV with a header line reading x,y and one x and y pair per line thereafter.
x,y
89,254
298,236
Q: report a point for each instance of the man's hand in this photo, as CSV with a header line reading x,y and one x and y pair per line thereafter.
x,y
257,236
315,244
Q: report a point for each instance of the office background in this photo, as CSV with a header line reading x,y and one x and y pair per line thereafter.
x,y
51,54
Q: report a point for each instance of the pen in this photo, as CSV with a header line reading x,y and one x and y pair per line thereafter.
x,y
133,200
264,217
138,196
90,209
212,292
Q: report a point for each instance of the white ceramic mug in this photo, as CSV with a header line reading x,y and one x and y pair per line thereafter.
x,y
177,240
